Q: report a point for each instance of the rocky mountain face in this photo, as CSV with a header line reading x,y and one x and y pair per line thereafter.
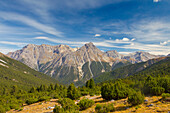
x,y
139,57
68,64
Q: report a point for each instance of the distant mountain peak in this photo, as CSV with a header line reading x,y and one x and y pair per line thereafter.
x,y
90,44
111,51
113,54
30,44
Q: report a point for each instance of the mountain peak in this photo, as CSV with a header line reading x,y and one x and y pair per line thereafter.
x,y
113,53
30,45
89,44
141,52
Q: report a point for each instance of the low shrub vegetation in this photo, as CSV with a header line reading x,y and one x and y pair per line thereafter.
x,y
31,101
58,109
73,93
115,91
104,108
68,105
136,98
158,90
165,96
85,103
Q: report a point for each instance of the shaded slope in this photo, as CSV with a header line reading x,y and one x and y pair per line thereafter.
x,y
149,67
13,72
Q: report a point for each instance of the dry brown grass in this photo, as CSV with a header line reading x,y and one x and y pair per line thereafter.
x,y
121,106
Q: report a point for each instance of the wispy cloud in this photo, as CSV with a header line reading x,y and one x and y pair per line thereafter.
x,y
56,40
151,30
7,50
152,48
105,43
19,44
30,22
16,30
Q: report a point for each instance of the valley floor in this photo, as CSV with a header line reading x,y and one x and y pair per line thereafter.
x,y
153,105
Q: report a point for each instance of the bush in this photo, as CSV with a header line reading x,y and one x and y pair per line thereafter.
x,y
104,108
90,84
2,109
68,105
72,92
31,101
150,82
58,109
157,90
44,98
85,103
14,106
115,91
165,95
84,93
136,98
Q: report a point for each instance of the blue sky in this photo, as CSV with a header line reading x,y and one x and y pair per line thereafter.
x,y
122,25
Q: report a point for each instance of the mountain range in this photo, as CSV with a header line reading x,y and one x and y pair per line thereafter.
x,y
77,65
157,66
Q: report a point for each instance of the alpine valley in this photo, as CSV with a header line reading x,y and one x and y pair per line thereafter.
x,y
67,65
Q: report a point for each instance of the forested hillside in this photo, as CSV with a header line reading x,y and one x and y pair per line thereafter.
x,y
13,72
150,67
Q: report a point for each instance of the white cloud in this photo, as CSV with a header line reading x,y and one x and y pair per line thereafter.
x,y
165,42
56,40
153,48
19,44
133,39
45,38
104,43
96,35
132,44
6,50
125,39
150,30
30,22
156,0
125,53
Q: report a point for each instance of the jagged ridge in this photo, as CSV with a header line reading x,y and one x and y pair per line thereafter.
x,y
63,62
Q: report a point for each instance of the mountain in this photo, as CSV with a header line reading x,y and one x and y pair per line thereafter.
x,y
13,72
68,64
152,65
139,57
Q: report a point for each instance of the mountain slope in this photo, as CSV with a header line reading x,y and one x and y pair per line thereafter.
x,y
68,64
13,72
135,68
